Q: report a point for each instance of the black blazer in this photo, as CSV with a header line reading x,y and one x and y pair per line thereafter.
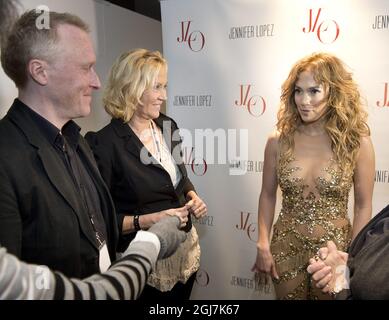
x,y
137,188
368,260
41,220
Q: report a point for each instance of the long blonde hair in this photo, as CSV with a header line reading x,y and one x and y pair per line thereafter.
x,y
345,120
131,74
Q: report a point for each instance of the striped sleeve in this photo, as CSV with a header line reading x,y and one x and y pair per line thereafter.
x,y
124,280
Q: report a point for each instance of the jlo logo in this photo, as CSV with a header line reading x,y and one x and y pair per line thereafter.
x,y
327,31
247,227
194,39
256,105
198,166
385,102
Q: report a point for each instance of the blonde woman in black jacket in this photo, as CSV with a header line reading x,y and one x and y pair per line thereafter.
x,y
138,154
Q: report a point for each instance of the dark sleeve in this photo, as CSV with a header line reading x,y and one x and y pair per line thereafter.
x,y
369,275
104,159
10,219
188,186
344,295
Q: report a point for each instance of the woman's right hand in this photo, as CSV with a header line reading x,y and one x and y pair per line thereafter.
x,y
264,262
182,213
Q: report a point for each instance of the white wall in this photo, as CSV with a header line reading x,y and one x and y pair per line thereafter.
x,y
113,29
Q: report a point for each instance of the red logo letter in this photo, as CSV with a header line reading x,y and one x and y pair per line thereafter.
x,y
385,102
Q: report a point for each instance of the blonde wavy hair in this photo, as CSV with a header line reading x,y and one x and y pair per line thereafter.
x,y
345,120
131,74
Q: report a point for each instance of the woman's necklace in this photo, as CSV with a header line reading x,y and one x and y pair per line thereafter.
x,y
156,141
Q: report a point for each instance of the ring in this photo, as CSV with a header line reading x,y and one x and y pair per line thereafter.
x,y
319,255
316,257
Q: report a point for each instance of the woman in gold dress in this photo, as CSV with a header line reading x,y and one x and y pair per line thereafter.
x,y
321,148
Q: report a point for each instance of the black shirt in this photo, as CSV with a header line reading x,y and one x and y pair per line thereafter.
x,y
65,142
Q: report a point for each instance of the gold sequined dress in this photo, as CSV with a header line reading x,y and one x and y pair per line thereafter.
x,y
307,220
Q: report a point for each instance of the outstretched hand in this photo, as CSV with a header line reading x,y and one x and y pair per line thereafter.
x,y
169,235
329,269
181,213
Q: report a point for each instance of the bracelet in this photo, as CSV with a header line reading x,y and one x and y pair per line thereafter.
x,y
136,223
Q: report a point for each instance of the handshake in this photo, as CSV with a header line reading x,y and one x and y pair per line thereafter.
x,y
171,220
169,235
329,269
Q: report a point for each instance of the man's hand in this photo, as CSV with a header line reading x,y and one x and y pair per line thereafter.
x,y
329,268
181,213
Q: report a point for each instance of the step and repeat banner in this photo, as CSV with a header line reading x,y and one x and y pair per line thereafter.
x,y
227,61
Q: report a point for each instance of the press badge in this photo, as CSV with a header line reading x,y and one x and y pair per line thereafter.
x,y
104,260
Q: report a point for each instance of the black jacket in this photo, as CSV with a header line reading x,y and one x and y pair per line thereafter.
x,y
368,260
137,188
41,220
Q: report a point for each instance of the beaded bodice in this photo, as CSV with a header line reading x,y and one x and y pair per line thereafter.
x,y
314,211
329,202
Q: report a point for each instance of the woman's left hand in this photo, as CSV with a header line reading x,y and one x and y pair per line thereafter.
x,y
196,205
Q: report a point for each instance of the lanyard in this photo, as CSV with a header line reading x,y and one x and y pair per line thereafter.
x,y
156,141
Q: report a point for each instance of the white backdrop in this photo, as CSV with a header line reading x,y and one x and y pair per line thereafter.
x,y
227,61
